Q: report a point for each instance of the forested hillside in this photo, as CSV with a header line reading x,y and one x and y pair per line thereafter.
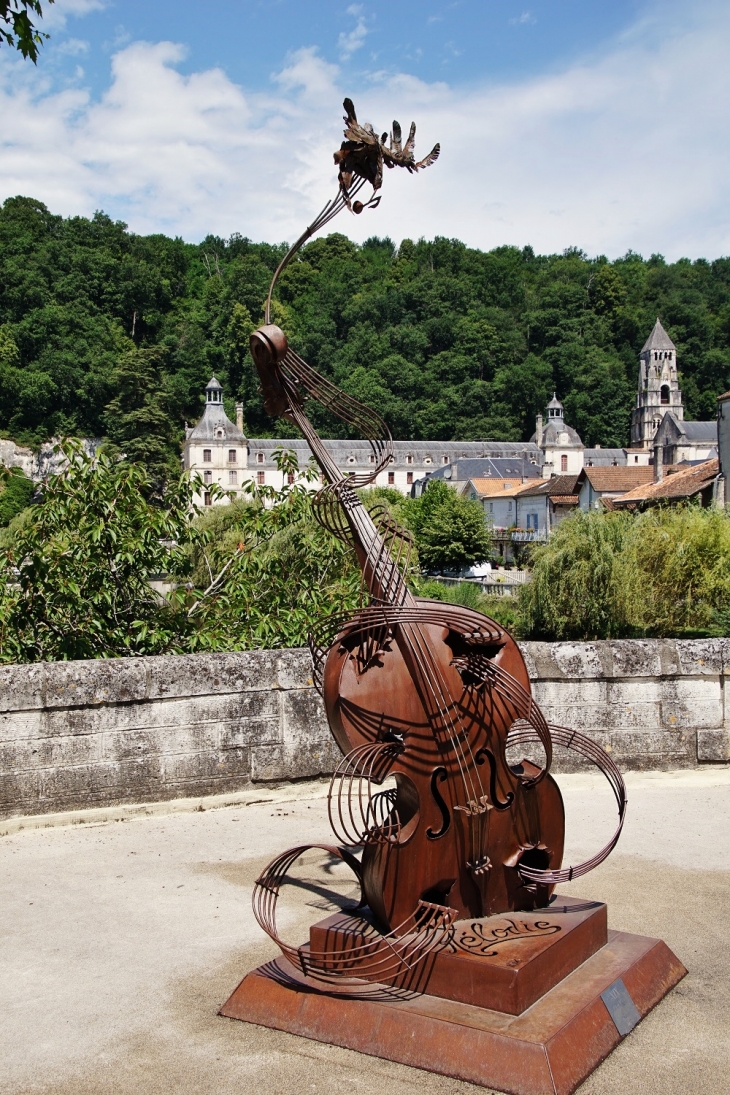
x,y
103,332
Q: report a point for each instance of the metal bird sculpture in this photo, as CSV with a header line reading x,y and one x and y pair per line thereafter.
x,y
362,154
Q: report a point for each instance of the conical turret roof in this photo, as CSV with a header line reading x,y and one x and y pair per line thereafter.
x,y
658,339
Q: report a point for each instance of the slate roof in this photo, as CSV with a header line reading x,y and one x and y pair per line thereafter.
x,y
519,466
465,454
677,485
213,421
616,479
699,431
658,339
599,458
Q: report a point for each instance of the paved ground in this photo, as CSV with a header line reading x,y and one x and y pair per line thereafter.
x,y
119,941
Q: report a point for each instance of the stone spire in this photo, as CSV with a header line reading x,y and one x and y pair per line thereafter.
x,y
658,388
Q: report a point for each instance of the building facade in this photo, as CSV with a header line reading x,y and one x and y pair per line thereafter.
x,y
658,388
219,451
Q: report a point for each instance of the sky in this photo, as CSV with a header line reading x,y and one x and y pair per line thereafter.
x,y
562,123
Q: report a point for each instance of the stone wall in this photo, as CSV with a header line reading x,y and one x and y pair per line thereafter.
x,y
88,734
654,703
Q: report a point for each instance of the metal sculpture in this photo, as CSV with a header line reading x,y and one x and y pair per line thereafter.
x,y
458,957
429,694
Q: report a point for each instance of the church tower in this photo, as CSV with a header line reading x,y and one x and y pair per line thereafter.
x,y
658,390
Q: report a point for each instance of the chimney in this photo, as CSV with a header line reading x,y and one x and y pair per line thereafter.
x,y
239,416
658,463
538,431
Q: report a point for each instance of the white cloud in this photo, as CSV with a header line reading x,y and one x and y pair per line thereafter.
x,y
56,15
73,46
523,20
629,151
348,43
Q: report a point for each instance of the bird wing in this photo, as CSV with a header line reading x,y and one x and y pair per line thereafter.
x,y
410,143
395,138
350,115
356,132
431,158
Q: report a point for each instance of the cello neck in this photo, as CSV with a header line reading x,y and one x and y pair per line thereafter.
x,y
383,579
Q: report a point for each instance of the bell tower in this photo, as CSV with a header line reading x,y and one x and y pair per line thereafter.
x,y
658,391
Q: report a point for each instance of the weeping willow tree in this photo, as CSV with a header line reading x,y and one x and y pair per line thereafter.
x,y
616,575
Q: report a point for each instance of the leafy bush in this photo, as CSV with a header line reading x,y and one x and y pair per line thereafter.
x,y
15,496
75,572
610,575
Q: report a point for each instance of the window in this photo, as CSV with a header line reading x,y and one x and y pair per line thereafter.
x,y
509,507
491,507
219,433
636,460
665,395
444,459
409,477
371,458
409,459
391,478
260,478
207,499
290,477
231,456
206,456
351,460
207,477
563,462
259,458
232,477
428,460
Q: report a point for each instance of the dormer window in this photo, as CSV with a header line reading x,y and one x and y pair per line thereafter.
x,y
428,460
219,433
444,459
259,458
351,460
371,458
409,459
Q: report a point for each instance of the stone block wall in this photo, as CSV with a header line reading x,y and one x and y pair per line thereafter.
x,y
651,703
98,733
87,734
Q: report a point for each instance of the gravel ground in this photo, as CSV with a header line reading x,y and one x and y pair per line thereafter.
x,y
119,941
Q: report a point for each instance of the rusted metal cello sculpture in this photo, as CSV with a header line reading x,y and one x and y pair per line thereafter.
x,y
458,958
429,694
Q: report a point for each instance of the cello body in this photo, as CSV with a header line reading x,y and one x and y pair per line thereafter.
x,y
432,857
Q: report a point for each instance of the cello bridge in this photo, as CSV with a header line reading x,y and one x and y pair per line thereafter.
x,y
476,806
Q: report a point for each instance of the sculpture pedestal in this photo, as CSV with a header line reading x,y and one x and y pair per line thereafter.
x,y
557,1002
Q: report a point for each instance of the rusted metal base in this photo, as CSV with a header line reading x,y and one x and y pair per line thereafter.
x,y
550,1048
504,963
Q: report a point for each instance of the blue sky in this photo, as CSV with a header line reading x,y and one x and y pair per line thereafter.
x,y
562,122
462,41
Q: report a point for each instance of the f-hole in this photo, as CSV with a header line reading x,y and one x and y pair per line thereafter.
x,y
487,754
438,776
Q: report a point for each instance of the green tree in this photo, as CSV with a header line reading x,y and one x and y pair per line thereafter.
x,y
75,579
612,575
15,496
450,531
137,419
17,28
583,585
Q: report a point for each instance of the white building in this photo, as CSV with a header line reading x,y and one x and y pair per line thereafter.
x,y
220,452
